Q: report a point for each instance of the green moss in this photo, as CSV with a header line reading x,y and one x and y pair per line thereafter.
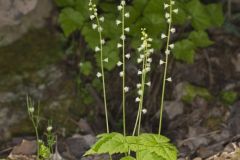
x,y
35,50
192,91
229,97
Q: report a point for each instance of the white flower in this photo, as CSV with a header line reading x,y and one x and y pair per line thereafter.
x,y
139,85
175,11
92,17
100,29
121,74
163,36
90,9
139,60
139,72
97,49
150,39
166,6
119,63
101,19
137,99
149,60
106,60
151,50
102,41
123,37
167,15
171,46
161,62
94,26
168,20
128,55
140,92
127,29
144,111
147,69
31,109
173,2
126,89
140,49
173,30
119,45
123,2
118,22
120,7
99,74
49,128
167,52
169,79
148,83
141,56
127,15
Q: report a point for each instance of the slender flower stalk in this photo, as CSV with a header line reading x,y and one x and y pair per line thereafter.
x,y
34,117
94,16
146,63
168,16
125,89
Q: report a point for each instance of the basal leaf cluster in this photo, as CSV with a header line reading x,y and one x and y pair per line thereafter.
x,y
146,146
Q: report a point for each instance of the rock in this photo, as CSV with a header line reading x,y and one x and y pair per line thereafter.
x,y
25,150
236,62
234,119
75,147
18,16
173,108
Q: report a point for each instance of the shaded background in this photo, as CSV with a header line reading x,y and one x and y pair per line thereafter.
x,y
48,57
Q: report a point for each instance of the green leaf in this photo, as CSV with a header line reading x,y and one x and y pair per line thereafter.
x,y
108,7
86,68
128,158
109,27
153,143
154,7
184,50
199,15
200,39
90,36
44,151
64,3
182,17
146,155
109,143
82,7
139,4
215,12
159,145
70,20
111,52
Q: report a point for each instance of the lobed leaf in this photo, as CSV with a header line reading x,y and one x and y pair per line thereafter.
x,y
70,20
200,39
184,50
